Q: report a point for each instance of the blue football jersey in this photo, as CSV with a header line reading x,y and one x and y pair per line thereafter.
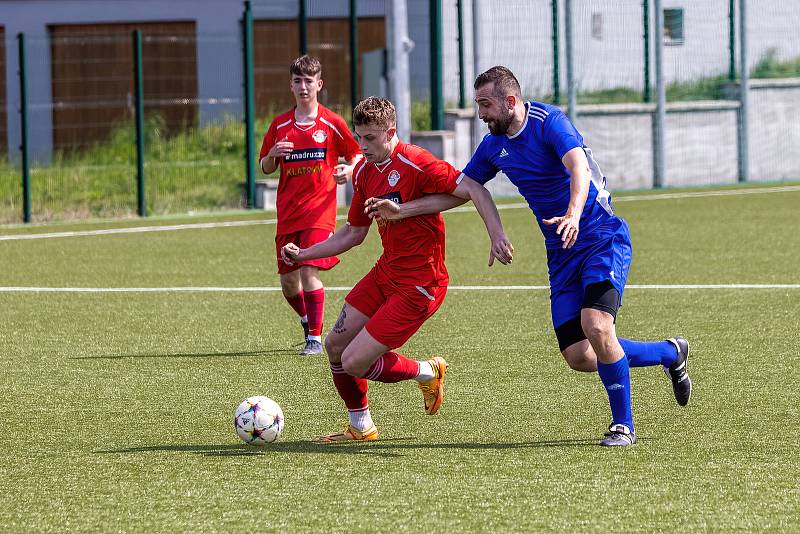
x,y
531,159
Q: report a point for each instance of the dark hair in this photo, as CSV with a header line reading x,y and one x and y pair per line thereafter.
x,y
306,66
375,111
505,83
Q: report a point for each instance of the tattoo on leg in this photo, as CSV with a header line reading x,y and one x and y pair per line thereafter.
x,y
338,328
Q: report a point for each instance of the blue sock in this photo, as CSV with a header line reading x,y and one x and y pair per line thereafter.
x,y
616,378
647,353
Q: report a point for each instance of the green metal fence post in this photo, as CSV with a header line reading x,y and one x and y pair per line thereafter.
x,y
353,53
302,20
462,91
556,67
437,111
23,110
732,40
249,107
139,102
646,39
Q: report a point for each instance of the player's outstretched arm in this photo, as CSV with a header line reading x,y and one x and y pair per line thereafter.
x,y
580,174
502,249
381,208
343,240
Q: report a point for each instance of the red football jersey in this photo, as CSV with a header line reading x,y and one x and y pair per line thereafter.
x,y
413,248
306,189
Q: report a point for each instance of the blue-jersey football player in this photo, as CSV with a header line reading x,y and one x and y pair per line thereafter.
x,y
588,246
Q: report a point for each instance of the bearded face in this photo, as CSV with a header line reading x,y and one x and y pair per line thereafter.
x,y
499,124
493,110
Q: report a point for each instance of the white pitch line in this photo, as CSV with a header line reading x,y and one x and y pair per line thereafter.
x,y
21,289
463,209
702,194
136,230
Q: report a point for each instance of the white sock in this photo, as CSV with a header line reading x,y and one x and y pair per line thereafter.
x,y
425,372
361,419
315,338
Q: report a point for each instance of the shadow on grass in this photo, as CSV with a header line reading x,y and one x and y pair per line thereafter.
x,y
389,448
233,354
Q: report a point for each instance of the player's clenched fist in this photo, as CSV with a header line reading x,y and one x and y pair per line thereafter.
x,y
382,208
290,253
342,173
280,149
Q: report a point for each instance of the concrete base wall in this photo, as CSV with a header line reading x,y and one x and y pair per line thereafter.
x,y
701,146
774,130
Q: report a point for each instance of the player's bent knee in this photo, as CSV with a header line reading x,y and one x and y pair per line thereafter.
x,y
596,332
290,286
353,367
309,275
581,362
598,326
334,347
580,357
333,357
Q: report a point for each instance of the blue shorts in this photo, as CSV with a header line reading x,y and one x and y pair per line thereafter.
x,y
604,256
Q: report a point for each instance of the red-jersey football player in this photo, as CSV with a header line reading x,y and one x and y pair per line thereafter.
x,y
307,142
409,281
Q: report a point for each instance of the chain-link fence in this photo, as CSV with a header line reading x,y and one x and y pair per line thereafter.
x,y
700,139
519,36
609,51
10,190
774,96
82,98
81,108
194,127
704,139
80,138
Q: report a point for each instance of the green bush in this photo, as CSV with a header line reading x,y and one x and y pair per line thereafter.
x,y
198,169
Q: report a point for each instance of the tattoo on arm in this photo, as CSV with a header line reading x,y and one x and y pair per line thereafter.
x,y
338,328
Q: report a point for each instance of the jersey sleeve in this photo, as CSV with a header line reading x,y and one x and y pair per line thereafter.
x,y
356,216
480,168
346,145
561,134
268,142
437,176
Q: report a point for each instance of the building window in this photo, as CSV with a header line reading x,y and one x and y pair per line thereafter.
x,y
597,26
673,26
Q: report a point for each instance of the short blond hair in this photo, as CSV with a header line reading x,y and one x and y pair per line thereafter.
x,y
375,111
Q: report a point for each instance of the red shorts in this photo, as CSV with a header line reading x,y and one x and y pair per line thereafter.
x,y
304,239
395,312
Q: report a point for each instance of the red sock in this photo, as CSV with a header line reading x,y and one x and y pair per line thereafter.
x,y
352,390
392,367
298,303
315,306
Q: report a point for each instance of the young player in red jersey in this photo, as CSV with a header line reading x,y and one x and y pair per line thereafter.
x,y
408,283
307,142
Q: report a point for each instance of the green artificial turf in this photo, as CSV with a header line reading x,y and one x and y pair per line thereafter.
x,y
117,407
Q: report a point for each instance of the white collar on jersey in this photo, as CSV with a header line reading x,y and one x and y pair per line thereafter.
x,y
305,126
383,164
524,123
